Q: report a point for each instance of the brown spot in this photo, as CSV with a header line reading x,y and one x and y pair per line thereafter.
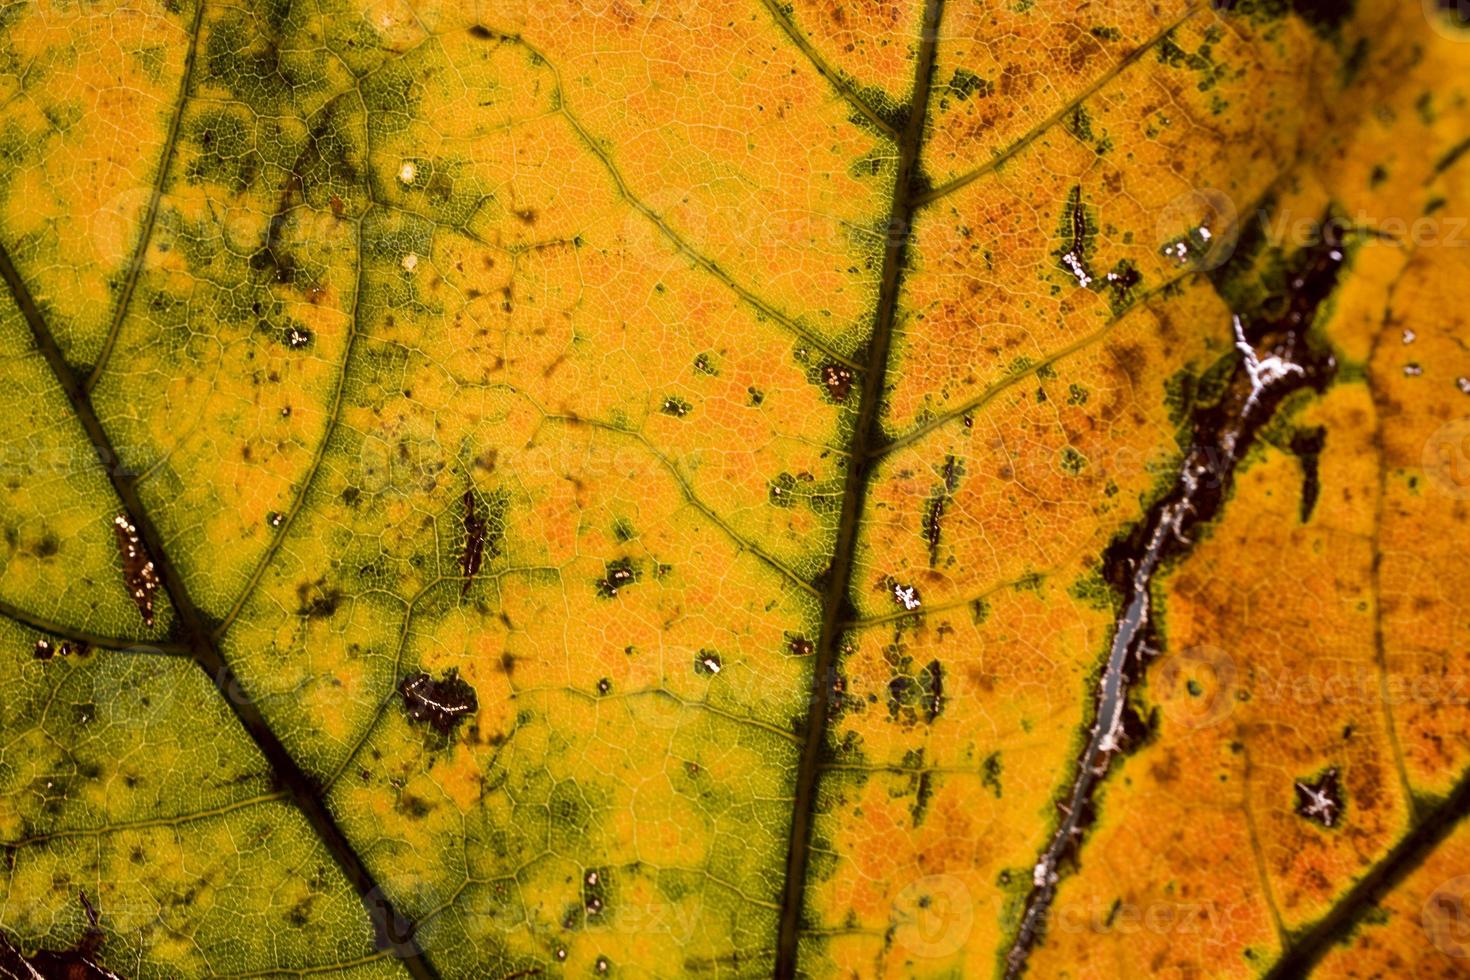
x,y
1168,770
1320,800
76,963
443,703
139,573
316,600
475,528
837,379
1130,360
415,807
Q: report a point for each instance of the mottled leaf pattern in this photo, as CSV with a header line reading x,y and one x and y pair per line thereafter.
x,y
695,487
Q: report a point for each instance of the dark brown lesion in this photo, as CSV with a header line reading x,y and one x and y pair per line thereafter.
x,y
837,380
140,575
938,501
1320,800
1275,358
443,703
1073,255
47,647
914,693
77,963
475,529
318,599
1307,446
617,575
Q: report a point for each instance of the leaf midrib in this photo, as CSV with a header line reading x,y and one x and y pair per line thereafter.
x,y
868,436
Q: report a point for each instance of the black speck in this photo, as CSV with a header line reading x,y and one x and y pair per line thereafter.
x,y
1307,445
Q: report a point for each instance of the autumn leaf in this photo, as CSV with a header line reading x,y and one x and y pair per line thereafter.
x,y
651,488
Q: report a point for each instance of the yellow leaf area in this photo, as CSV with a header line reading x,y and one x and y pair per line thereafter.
x,y
1031,425
580,440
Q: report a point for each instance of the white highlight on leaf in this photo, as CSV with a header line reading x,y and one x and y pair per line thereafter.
x,y
1263,372
1071,261
1319,805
